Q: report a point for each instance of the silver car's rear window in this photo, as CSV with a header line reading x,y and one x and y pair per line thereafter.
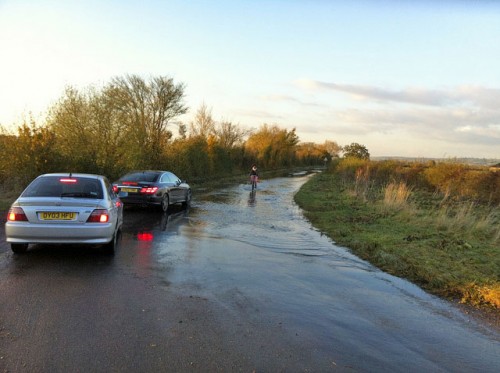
x,y
71,187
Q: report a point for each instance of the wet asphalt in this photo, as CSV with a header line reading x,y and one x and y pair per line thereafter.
x,y
240,282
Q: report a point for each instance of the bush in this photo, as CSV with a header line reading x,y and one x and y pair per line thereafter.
x,y
451,180
455,180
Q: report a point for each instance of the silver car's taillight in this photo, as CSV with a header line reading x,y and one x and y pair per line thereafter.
x,y
16,214
99,216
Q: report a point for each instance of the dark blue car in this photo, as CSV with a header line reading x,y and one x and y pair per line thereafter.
x,y
152,188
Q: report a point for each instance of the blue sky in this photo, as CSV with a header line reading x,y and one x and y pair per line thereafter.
x,y
403,78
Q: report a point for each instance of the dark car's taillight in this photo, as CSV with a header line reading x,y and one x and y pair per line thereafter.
x,y
150,190
16,214
99,216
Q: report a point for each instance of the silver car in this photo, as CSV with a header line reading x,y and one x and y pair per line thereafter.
x,y
65,209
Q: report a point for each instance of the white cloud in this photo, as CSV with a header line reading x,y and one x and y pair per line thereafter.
x,y
462,115
482,97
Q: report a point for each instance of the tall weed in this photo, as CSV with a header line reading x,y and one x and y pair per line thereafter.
x,y
362,182
469,219
455,219
396,195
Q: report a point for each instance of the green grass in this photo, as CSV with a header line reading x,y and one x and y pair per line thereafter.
x,y
452,251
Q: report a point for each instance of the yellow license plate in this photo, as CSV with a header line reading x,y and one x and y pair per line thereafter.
x,y
57,215
129,190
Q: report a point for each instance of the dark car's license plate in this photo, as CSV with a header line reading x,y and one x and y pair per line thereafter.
x,y
129,190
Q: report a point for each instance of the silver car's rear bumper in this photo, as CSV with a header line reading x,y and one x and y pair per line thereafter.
x,y
17,232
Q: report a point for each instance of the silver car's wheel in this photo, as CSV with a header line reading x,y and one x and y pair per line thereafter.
x,y
110,247
19,248
165,202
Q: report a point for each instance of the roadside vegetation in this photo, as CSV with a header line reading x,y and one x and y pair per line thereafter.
x,y
134,123
436,224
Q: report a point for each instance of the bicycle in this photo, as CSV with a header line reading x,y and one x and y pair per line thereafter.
x,y
254,180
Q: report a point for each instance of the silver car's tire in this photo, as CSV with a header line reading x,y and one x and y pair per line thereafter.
x,y
165,202
19,248
110,247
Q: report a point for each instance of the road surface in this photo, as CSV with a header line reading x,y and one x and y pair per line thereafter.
x,y
239,283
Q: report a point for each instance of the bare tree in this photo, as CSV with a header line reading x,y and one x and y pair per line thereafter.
x,y
229,134
203,124
146,109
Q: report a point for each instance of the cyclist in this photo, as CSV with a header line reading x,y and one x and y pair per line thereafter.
x,y
254,177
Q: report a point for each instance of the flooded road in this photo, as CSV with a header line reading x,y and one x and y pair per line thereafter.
x,y
240,282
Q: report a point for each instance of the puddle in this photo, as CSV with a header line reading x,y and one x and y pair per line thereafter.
x,y
254,254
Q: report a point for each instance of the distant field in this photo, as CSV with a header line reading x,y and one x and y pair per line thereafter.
x,y
469,161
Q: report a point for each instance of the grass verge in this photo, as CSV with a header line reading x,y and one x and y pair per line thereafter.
x,y
452,251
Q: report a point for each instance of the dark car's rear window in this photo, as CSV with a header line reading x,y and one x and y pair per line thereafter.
x,y
150,177
57,186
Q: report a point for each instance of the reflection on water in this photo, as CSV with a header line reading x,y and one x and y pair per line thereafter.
x,y
145,224
251,198
147,231
145,236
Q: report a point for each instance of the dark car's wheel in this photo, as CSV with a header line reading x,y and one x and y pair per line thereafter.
x,y
165,202
187,201
19,248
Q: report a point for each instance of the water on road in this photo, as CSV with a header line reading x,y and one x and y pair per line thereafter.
x,y
260,289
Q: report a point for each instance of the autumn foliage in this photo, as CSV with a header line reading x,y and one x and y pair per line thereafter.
x,y
134,123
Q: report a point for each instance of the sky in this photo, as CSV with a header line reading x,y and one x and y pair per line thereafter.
x,y
403,78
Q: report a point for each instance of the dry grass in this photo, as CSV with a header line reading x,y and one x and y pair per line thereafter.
x,y
479,294
465,219
396,195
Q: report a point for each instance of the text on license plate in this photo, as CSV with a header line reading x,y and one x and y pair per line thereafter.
x,y
56,215
129,190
